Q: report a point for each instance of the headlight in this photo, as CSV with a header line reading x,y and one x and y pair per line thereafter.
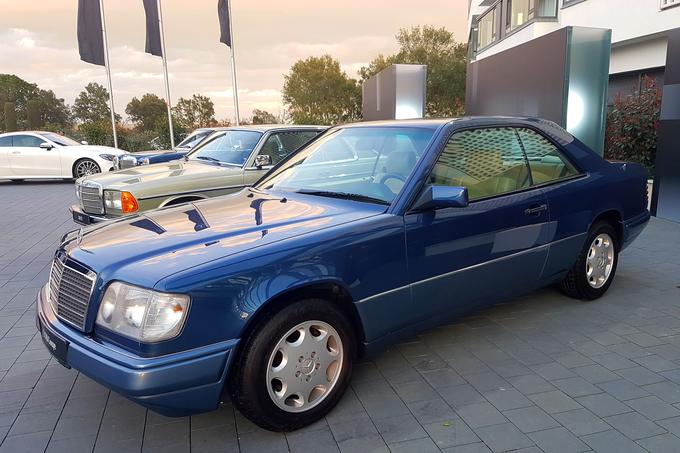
x,y
145,161
108,157
121,201
142,314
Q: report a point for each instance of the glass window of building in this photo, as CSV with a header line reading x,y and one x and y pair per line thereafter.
x,y
522,11
486,33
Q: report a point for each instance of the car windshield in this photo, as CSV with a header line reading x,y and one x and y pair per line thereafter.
x,y
227,147
59,139
193,139
368,164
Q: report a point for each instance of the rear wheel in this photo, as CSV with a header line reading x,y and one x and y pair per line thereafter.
x,y
85,167
595,267
294,366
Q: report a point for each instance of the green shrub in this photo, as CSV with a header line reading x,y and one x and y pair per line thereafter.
x,y
633,124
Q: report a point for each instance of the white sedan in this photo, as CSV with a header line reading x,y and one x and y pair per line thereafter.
x,y
30,155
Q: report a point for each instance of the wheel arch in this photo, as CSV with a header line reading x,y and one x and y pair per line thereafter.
x,y
331,290
614,218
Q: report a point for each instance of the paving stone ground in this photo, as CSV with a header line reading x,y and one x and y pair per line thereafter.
x,y
541,373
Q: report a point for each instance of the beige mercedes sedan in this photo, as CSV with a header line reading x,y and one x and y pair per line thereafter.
x,y
225,162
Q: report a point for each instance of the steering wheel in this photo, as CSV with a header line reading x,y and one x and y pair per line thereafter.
x,y
388,176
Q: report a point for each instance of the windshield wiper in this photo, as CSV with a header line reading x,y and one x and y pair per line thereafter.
x,y
211,159
344,196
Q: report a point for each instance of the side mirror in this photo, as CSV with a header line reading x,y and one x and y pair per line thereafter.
x,y
46,146
263,160
84,142
436,197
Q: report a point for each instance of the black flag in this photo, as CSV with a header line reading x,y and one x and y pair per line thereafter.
x,y
225,21
153,31
90,38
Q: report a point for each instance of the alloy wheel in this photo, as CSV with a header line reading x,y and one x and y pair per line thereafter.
x,y
600,260
304,366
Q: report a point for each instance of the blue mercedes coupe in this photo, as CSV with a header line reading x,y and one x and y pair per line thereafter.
x,y
370,234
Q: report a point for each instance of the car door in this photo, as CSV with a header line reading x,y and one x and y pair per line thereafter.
x,y
28,159
277,146
562,183
5,148
462,258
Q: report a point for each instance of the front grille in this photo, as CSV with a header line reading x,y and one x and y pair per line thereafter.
x,y
126,162
91,200
70,292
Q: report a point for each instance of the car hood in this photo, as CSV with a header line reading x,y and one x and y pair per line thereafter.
x,y
145,248
164,174
150,152
100,149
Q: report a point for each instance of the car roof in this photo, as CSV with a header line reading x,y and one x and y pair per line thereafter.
x,y
26,132
264,127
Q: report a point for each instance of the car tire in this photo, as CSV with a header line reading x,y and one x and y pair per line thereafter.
x,y
595,267
85,167
283,379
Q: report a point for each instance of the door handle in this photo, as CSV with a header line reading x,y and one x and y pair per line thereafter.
x,y
535,210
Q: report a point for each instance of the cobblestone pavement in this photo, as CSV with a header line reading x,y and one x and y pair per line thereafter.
x,y
542,373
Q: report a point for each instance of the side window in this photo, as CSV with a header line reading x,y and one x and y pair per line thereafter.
x,y
6,142
27,140
280,144
545,160
488,162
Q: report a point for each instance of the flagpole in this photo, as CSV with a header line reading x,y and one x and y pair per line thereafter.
x,y
233,66
108,74
165,72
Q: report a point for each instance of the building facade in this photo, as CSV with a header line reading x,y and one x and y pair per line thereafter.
x,y
639,31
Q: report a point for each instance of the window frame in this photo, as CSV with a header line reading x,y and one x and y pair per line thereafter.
x,y
515,126
41,140
250,164
11,141
496,22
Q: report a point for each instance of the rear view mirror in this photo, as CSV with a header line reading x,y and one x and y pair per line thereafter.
x,y
437,197
46,146
263,160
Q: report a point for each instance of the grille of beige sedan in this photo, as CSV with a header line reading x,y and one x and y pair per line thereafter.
x,y
70,292
91,200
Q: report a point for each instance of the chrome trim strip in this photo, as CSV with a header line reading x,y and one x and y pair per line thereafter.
x,y
436,277
192,192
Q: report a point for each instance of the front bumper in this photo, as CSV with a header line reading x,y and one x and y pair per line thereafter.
x,y
175,385
83,218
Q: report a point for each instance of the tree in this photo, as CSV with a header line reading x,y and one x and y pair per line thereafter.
x,y
318,91
92,104
446,62
264,117
146,112
197,111
45,106
10,116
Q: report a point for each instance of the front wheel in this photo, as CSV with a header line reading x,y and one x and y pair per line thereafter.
x,y
294,366
85,167
595,267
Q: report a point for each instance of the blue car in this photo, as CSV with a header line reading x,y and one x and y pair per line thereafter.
x,y
156,157
371,234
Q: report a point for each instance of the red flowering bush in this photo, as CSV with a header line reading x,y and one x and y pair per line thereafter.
x,y
633,124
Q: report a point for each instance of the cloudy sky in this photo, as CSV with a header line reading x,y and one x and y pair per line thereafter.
x,y
38,43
